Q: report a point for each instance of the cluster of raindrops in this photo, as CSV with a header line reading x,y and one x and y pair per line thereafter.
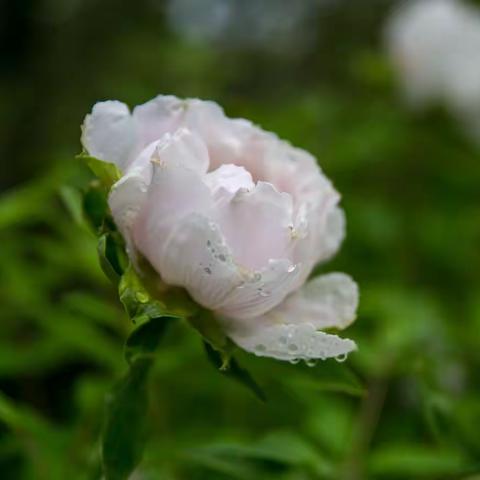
x,y
297,344
219,255
262,292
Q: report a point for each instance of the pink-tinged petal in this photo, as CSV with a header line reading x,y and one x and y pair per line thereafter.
x,y
144,158
333,235
185,148
127,197
293,342
327,301
257,225
158,116
291,330
260,291
319,230
224,137
229,179
129,194
175,192
196,257
108,133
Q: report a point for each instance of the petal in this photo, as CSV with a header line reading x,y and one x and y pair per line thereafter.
x,y
319,230
128,195
260,291
108,133
185,148
333,235
225,137
175,192
257,225
293,342
229,179
196,257
326,301
290,331
126,199
158,116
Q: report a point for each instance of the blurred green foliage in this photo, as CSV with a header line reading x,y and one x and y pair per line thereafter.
x,y
406,405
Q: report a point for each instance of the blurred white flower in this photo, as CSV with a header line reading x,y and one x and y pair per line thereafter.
x,y
435,47
233,214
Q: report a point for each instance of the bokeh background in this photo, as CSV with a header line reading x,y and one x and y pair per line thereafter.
x,y
405,406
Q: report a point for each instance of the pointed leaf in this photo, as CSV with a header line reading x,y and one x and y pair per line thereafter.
x,y
144,340
107,173
136,299
233,370
111,255
95,206
206,324
125,429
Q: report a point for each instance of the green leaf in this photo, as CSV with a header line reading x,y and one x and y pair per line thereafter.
x,y
125,429
73,200
284,448
136,299
208,327
95,206
231,369
144,340
112,256
48,443
107,173
325,376
414,461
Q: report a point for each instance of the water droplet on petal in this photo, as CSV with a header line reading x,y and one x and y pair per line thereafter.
x,y
311,362
294,361
283,340
292,347
222,257
291,268
341,358
260,348
207,270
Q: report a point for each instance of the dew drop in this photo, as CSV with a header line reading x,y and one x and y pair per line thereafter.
x,y
257,277
341,358
292,347
260,348
207,270
209,243
311,362
291,268
294,361
222,257
283,340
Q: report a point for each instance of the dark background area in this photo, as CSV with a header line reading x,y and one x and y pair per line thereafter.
x,y
406,405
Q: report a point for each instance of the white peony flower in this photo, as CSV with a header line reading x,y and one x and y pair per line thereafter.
x,y
435,47
234,215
